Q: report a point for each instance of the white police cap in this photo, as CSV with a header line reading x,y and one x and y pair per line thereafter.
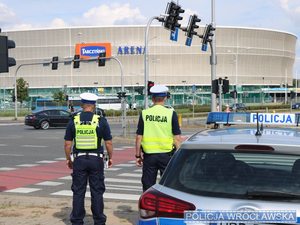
x,y
88,98
159,90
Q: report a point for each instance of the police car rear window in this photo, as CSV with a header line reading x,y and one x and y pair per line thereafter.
x,y
257,175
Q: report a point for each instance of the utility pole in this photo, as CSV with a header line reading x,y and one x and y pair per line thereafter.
x,y
213,59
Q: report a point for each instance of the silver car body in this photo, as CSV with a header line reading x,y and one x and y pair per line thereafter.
x,y
285,141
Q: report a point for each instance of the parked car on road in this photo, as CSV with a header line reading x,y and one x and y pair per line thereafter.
x,y
296,106
229,169
48,118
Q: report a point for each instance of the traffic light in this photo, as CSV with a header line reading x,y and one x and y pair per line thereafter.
x,y
190,30
121,95
293,94
67,97
54,63
13,98
101,61
215,86
76,61
208,32
173,16
150,85
233,94
5,61
225,87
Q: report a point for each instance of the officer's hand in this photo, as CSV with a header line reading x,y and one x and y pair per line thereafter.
x,y
110,162
139,162
69,164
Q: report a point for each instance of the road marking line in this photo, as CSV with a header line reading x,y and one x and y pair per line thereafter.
x,y
49,183
123,189
130,175
23,190
125,165
112,169
3,145
66,178
46,161
7,168
34,146
124,186
106,195
122,181
139,170
27,165
60,159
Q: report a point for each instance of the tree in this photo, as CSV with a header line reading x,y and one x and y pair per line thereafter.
x,y
22,90
59,97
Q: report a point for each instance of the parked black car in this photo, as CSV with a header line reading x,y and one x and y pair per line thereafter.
x,y
238,107
296,106
48,118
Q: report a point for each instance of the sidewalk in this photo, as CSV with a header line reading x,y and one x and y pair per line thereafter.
x,y
23,210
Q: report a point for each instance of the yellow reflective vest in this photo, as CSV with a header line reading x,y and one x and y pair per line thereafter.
x,y
158,136
85,134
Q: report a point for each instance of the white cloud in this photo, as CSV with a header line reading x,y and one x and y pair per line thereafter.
x,y
7,16
114,14
292,8
186,15
57,22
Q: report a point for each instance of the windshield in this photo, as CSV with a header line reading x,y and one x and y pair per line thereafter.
x,y
235,174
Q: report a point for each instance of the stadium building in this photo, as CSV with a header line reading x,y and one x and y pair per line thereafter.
x,y
257,62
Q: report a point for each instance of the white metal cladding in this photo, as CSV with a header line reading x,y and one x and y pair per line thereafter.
x,y
247,56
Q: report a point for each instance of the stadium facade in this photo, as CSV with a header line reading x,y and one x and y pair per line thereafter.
x,y
253,59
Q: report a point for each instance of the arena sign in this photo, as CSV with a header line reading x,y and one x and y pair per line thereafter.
x,y
90,50
131,50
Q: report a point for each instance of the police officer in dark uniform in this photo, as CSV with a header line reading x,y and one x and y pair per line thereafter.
x,y
157,133
84,155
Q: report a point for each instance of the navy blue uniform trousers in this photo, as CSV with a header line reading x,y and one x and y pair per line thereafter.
x,y
88,169
152,163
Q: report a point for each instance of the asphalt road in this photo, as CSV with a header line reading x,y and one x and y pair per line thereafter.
x,y
32,162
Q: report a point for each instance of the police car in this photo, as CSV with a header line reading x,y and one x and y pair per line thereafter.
x,y
245,174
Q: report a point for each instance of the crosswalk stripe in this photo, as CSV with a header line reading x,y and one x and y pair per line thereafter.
x,y
130,175
125,186
27,165
46,161
106,195
23,190
7,168
122,180
125,165
49,183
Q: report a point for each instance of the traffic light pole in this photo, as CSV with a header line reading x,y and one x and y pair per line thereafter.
x,y
213,58
16,90
123,103
146,59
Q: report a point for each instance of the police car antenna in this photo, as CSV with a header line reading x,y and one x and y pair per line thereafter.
x,y
258,133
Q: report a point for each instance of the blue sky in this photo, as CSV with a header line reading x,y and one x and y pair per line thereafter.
x,y
27,14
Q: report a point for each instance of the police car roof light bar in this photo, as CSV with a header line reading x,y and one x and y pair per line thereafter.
x,y
246,118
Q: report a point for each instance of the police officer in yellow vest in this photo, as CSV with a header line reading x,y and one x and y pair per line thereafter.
x,y
87,130
158,131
